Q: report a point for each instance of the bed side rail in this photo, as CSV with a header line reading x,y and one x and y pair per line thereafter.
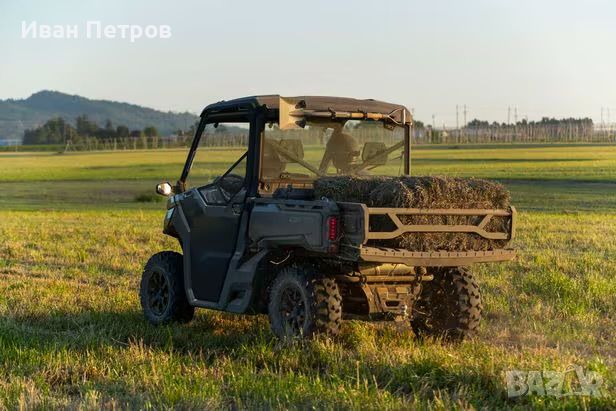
x,y
356,222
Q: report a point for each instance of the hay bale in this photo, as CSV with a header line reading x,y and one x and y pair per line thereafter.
x,y
353,189
424,192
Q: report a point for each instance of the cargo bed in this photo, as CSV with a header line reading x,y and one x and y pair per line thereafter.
x,y
357,234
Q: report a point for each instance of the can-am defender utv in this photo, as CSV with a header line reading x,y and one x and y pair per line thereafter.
x,y
256,240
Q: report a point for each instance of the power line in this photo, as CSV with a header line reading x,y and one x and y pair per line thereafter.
x,y
457,118
457,123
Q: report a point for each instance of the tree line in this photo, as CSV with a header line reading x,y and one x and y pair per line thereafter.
x,y
545,130
545,121
88,135
59,131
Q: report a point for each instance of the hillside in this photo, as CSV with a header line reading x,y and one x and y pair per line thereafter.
x,y
19,115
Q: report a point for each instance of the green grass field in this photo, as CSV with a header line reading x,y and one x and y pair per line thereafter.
x,y
73,241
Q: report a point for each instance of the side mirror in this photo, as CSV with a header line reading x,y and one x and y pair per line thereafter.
x,y
164,189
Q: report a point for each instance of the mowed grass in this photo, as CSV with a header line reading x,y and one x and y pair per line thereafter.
x,y
73,241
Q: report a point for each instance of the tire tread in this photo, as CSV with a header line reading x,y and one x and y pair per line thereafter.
x,y
180,310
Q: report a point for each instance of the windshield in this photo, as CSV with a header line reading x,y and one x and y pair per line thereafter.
x,y
350,147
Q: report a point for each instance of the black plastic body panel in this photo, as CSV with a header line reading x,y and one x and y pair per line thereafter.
x,y
291,224
237,289
213,237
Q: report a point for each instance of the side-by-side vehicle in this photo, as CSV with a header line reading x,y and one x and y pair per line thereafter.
x,y
255,239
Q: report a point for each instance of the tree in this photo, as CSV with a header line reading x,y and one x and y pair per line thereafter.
x,y
477,123
122,131
54,131
109,125
107,132
193,128
150,131
86,127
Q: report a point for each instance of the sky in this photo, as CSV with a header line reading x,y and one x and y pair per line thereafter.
x,y
541,57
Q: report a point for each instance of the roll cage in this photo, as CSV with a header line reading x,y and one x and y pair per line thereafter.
x,y
260,110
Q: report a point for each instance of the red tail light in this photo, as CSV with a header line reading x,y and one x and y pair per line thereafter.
x,y
332,226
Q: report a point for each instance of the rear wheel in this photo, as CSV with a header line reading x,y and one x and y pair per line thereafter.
x,y
449,306
162,294
303,305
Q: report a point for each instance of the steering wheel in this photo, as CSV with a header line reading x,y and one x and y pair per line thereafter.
x,y
229,185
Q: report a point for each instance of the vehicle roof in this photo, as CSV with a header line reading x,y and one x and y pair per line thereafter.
x,y
272,101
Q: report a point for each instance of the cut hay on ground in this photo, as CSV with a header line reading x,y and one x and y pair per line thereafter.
x,y
426,193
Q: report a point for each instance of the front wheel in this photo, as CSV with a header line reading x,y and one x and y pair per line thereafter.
x,y
162,294
301,304
449,306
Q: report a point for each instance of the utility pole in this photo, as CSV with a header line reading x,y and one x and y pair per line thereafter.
x,y
602,123
457,117
601,115
433,129
457,123
509,115
464,124
515,125
609,124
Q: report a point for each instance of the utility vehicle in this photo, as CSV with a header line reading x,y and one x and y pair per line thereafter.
x,y
255,239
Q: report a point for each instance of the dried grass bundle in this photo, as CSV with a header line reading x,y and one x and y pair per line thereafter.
x,y
427,193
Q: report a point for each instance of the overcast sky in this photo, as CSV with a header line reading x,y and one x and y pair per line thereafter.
x,y
555,58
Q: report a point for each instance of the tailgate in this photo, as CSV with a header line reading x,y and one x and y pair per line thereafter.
x,y
357,232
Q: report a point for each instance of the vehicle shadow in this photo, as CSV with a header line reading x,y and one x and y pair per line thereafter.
x,y
211,336
209,331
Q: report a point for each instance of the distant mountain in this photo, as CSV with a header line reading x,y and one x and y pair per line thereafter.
x,y
19,115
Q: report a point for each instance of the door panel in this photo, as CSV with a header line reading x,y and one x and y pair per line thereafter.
x,y
213,237
216,172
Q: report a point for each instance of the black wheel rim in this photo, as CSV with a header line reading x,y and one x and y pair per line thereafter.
x,y
158,293
292,310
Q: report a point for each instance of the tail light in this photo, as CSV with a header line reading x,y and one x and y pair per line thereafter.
x,y
332,228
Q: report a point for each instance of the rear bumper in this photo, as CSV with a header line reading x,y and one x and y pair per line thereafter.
x,y
433,258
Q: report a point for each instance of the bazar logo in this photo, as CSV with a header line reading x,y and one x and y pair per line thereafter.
x,y
552,383
94,30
